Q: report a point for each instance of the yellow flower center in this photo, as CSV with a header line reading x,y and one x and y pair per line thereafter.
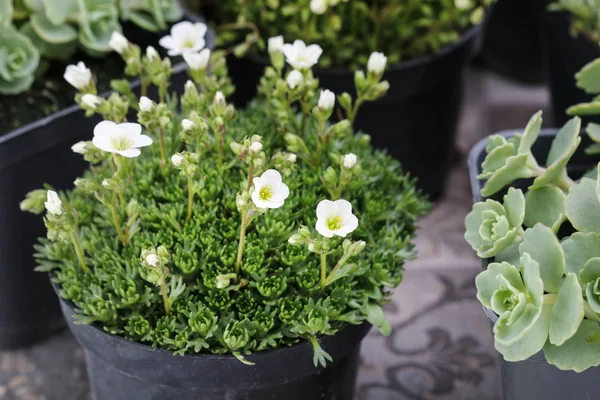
x,y
333,223
265,193
187,44
121,143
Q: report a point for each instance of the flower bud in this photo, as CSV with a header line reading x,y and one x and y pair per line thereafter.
x,y
53,203
219,99
349,160
296,239
151,53
294,79
133,207
197,61
145,104
356,247
318,6
91,100
187,125
376,63
79,147
189,85
177,160
326,100
118,42
79,76
236,148
255,147
152,260
275,45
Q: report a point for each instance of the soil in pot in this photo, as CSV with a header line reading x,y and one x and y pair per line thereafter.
x,y
535,378
565,55
122,370
31,156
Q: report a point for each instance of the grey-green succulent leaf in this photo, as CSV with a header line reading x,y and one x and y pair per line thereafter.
x,y
567,312
18,61
6,11
517,299
582,206
544,205
54,34
580,352
589,277
578,249
541,244
530,134
582,109
491,227
588,78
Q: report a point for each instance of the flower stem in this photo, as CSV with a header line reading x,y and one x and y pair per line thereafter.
x,y
78,251
115,217
323,270
190,199
163,153
240,252
165,296
341,262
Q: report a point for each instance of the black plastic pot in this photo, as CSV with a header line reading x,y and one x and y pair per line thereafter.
x,y
31,156
417,120
122,370
565,56
535,378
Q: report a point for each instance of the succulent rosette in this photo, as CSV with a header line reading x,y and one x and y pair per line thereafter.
x,y
19,60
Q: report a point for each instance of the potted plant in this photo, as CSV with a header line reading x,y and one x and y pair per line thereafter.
x,y
571,34
266,236
38,125
427,47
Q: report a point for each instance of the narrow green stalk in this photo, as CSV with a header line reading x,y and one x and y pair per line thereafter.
x,y
220,154
163,153
337,266
144,89
117,169
323,270
165,296
79,251
190,199
115,217
240,252
352,115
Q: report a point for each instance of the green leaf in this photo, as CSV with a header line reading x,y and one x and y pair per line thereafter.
x,y
514,204
6,11
582,109
63,51
531,133
543,246
532,342
58,12
342,272
578,249
593,131
34,5
496,158
582,207
515,168
16,86
376,317
144,21
483,213
55,34
591,271
567,312
580,352
544,205
487,281
588,78
593,149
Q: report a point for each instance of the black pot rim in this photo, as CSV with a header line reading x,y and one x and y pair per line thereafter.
x,y
177,68
474,168
255,356
416,62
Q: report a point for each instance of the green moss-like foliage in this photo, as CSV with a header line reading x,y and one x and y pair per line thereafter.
x,y
283,301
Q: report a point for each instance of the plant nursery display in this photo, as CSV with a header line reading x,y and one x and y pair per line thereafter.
x,y
427,44
228,237
538,232
571,34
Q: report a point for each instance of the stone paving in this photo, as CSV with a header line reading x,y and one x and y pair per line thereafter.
x,y
441,347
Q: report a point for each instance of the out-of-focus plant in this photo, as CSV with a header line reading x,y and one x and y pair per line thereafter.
x,y
585,19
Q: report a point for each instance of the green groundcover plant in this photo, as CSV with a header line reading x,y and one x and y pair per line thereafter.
x,y
543,245
34,30
348,31
223,231
585,19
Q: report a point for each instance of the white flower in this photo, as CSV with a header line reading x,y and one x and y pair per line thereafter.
x,y
291,157
189,85
255,147
185,37
377,62
197,60
462,4
106,183
91,100
275,44
326,100
79,76
151,53
152,260
299,56
349,160
124,139
146,104
269,190
335,218
177,160
187,124
79,148
294,79
118,42
53,203
219,98
318,6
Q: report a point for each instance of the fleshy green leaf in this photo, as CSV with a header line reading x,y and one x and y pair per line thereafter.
x,y
592,108
578,249
593,131
567,312
544,205
514,168
55,34
588,78
376,317
6,10
58,12
582,207
580,352
531,133
532,342
543,246
487,281
514,204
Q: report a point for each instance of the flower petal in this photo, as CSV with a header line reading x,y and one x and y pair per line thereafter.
x,y
281,194
103,143
348,227
322,229
181,29
142,141
167,42
130,129
257,201
314,51
272,178
199,45
200,30
299,45
258,183
129,153
104,129
344,209
326,208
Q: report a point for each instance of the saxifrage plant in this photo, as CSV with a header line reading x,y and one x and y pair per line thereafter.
x,y
31,30
349,31
543,279
202,229
584,16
